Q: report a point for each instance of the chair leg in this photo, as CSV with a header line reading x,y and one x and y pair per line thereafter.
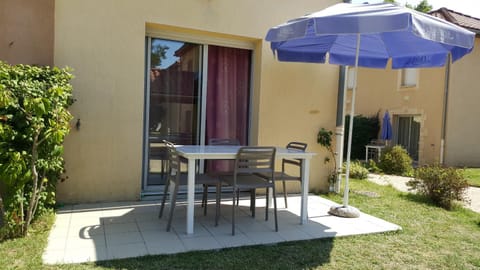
x,y
253,201
205,199
233,212
285,194
275,208
266,208
172,207
238,197
165,192
162,174
217,203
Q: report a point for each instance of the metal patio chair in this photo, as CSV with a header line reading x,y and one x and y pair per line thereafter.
x,y
286,163
177,178
250,161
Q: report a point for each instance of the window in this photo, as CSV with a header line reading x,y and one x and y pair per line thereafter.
x,y
409,77
408,134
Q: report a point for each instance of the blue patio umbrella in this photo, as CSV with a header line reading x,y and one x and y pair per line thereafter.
x,y
386,127
369,35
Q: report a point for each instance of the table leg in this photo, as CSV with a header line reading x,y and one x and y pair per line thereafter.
x,y
305,179
190,195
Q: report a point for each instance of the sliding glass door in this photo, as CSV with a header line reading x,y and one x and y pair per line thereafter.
x,y
194,92
408,134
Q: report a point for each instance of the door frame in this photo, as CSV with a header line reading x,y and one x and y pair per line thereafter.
x,y
204,41
396,118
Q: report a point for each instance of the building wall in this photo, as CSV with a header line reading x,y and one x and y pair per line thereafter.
x,y
26,31
104,42
463,129
378,90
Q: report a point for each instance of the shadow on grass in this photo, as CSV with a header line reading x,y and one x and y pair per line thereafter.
x,y
289,255
418,198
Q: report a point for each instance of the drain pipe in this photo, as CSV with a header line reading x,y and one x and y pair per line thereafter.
x,y
445,107
340,123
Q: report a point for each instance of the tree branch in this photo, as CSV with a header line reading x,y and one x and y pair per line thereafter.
x,y
34,196
2,211
40,190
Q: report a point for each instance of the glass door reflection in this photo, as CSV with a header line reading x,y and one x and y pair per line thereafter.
x,y
175,74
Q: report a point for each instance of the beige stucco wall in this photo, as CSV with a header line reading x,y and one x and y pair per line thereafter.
x,y
461,143
26,31
379,90
104,42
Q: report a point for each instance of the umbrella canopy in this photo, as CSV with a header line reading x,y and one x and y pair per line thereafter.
x,y
369,35
386,127
410,38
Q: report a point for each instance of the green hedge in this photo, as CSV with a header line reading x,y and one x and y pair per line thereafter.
x,y
365,129
34,121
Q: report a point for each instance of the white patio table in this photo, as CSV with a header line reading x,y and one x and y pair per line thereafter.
x,y
198,152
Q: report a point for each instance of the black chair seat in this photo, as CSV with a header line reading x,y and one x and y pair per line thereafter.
x,y
200,179
281,176
248,181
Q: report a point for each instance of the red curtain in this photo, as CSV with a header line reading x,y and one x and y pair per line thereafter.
x,y
227,96
228,93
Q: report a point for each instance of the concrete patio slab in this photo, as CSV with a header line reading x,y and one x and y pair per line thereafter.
x,y
106,231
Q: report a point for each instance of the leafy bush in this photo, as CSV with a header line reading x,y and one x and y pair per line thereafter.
x,y
442,185
357,170
365,129
34,121
372,166
395,160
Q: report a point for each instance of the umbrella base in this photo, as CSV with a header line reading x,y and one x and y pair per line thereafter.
x,y
344,211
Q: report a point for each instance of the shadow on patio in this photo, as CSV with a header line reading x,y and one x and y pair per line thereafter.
x,y
106,231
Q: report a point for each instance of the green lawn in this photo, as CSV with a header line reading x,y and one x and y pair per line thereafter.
x,y
473,176
432,238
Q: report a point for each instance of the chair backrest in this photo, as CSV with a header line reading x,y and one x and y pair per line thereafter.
x,y
296,146
173,165
255,159
217,166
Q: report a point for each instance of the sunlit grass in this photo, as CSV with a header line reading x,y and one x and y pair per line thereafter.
x,y
473,176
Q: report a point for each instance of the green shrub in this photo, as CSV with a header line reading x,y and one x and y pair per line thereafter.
x,y
34,121
357,170
442,185
396,161
365,129
372,166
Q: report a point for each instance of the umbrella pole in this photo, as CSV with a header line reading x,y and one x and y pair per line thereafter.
x,y
350,129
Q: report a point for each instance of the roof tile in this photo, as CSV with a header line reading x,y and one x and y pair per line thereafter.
x,y
457,18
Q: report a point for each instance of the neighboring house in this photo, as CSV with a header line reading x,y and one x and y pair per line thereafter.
x,y
141,75
462,124
433,110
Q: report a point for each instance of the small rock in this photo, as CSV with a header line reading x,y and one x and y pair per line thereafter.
x,y
344,211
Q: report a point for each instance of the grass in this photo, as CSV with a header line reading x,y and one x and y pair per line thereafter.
x,y
473,176
432,238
